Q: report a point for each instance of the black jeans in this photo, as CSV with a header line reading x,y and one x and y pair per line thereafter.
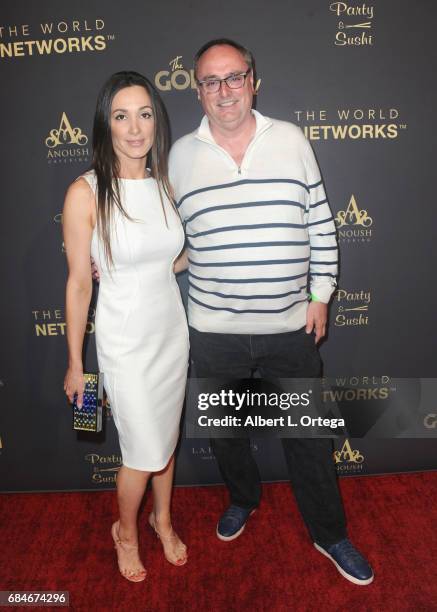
x,y
309,461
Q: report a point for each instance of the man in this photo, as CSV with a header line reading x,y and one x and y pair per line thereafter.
x,y
258,226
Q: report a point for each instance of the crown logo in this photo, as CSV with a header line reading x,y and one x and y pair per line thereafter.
x,y
348,454
65,135
353,215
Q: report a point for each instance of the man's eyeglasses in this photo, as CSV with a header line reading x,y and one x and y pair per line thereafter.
x,y
234,81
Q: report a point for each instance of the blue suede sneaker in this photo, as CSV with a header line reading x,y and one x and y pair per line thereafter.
x,y
350,563
232,523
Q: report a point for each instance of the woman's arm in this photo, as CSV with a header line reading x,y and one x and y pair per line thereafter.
x,y
181,263
78,222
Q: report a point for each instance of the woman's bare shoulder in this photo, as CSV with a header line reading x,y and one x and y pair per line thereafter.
x,y
80,198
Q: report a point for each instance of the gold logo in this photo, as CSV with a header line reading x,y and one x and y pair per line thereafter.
x,y
65,135
176,78
105,467
179,78
66,143
358,123
358,388
51,322
75,36
352,307
357,33
353,215
348,455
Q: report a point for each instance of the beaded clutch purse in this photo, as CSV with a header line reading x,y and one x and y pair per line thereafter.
x,y
89,416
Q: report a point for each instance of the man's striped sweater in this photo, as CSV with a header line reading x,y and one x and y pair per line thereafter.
x,y
256,233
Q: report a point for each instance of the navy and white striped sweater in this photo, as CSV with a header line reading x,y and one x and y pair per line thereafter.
x,y
256,232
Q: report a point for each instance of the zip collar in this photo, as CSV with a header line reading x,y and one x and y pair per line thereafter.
x,y
204,132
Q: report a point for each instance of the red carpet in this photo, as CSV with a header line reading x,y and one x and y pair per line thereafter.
x,y
61,541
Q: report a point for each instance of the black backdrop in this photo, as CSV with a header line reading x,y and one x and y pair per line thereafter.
x,y
358,78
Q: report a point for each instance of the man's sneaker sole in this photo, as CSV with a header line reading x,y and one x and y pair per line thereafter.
x,y
235,535
341,570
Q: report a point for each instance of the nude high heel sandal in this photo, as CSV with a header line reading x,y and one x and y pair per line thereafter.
x,y
136,575
175,550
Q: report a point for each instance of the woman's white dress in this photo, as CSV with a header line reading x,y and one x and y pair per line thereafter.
x,y
141,327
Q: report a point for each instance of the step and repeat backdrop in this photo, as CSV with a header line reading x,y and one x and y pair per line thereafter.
x,y
358,78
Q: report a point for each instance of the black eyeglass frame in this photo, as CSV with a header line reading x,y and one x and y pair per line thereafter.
x,y
231,76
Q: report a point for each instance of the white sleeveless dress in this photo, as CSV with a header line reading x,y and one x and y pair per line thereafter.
x,y
141,327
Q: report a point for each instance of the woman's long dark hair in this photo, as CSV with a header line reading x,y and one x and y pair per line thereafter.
x,y
105,163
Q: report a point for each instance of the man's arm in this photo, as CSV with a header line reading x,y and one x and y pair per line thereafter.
x,y
323,247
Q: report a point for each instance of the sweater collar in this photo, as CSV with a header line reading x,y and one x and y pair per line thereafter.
x,y
204,131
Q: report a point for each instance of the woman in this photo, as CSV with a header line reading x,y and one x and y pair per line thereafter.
x,y
121,213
